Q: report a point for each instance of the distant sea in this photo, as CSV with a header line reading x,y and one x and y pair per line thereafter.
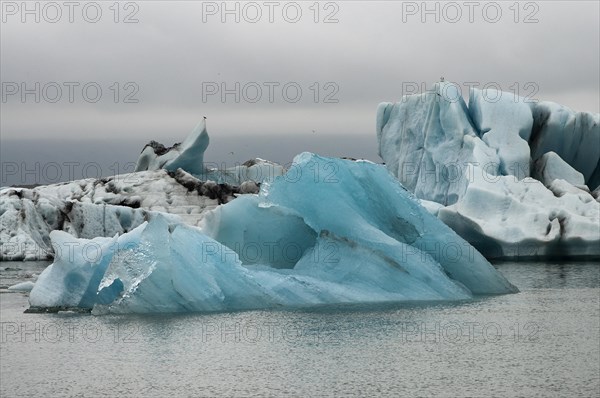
x,y
24,162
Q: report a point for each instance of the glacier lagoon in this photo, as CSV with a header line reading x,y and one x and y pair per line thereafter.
x,y
396,307
540,342
391,239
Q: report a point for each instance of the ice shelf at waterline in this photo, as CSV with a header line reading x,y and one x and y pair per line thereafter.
x,y
329,231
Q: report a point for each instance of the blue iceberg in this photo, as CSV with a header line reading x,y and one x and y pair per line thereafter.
x,y
188,155
328,231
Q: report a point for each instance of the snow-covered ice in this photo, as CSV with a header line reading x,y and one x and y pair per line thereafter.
x,y
329,231
100,207
250,172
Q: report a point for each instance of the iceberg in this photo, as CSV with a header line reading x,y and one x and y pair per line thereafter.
x,y
328,231
508,218
173,181
188,155
488,153
101,207
504,123
574,136
253,171
534,168
21,287
427,140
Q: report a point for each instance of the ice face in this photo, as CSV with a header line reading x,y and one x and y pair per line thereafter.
x,y
427,140
329,231
188,155
492,203
504,123
64,284
574,136
550,167
269,235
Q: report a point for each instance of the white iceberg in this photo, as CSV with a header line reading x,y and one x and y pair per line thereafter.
x,y
504,123
253,171
328,231
427,141
486,193
574,136
550,167
508,218
21,287
100,207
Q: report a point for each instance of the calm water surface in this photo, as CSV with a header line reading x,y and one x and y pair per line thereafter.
x,y
542,342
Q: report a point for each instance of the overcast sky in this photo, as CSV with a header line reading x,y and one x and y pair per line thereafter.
x,y
179,55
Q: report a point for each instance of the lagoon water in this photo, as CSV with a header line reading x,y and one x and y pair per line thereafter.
x,y
541,342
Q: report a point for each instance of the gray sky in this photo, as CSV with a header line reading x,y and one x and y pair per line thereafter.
x,y
179,50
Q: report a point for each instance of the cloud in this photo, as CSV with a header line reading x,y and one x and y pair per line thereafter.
x,y
171,57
